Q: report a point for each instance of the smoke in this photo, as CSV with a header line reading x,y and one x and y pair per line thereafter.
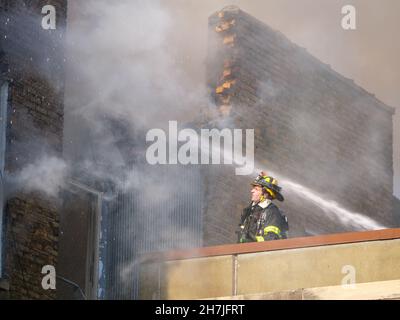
x,y
46,175
129,71
124,78
41,167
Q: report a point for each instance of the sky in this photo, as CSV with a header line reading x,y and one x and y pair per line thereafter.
x,y
368,55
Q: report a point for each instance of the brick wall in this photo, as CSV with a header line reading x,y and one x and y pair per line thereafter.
x,y
312,125
32,60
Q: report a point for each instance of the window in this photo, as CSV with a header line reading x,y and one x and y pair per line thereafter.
x,y
3,126
78,256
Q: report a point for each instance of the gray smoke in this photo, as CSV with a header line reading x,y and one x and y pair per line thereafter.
x,y
124,77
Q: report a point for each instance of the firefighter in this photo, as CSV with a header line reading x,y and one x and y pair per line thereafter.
x,y
262,220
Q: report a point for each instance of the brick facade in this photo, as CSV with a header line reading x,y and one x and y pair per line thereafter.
x,y
312,125
31,60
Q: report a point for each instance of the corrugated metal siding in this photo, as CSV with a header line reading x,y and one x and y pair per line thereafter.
x,y
167,215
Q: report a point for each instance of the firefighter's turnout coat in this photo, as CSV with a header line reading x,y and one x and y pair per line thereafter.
x,y
261,222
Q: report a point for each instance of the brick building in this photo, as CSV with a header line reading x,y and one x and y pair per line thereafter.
x,y
32,80
312,126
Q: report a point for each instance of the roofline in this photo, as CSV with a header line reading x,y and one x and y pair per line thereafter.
x,y
350,82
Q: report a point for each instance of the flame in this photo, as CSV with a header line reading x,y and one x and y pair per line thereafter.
x,y
229,39
225,25
226,85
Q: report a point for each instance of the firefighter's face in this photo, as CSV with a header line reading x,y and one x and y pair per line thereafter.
x,y
256,193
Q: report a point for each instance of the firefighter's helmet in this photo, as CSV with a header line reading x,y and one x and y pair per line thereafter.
x,y
270,184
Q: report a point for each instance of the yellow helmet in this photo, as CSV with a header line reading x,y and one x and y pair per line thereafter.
x,y
269,184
